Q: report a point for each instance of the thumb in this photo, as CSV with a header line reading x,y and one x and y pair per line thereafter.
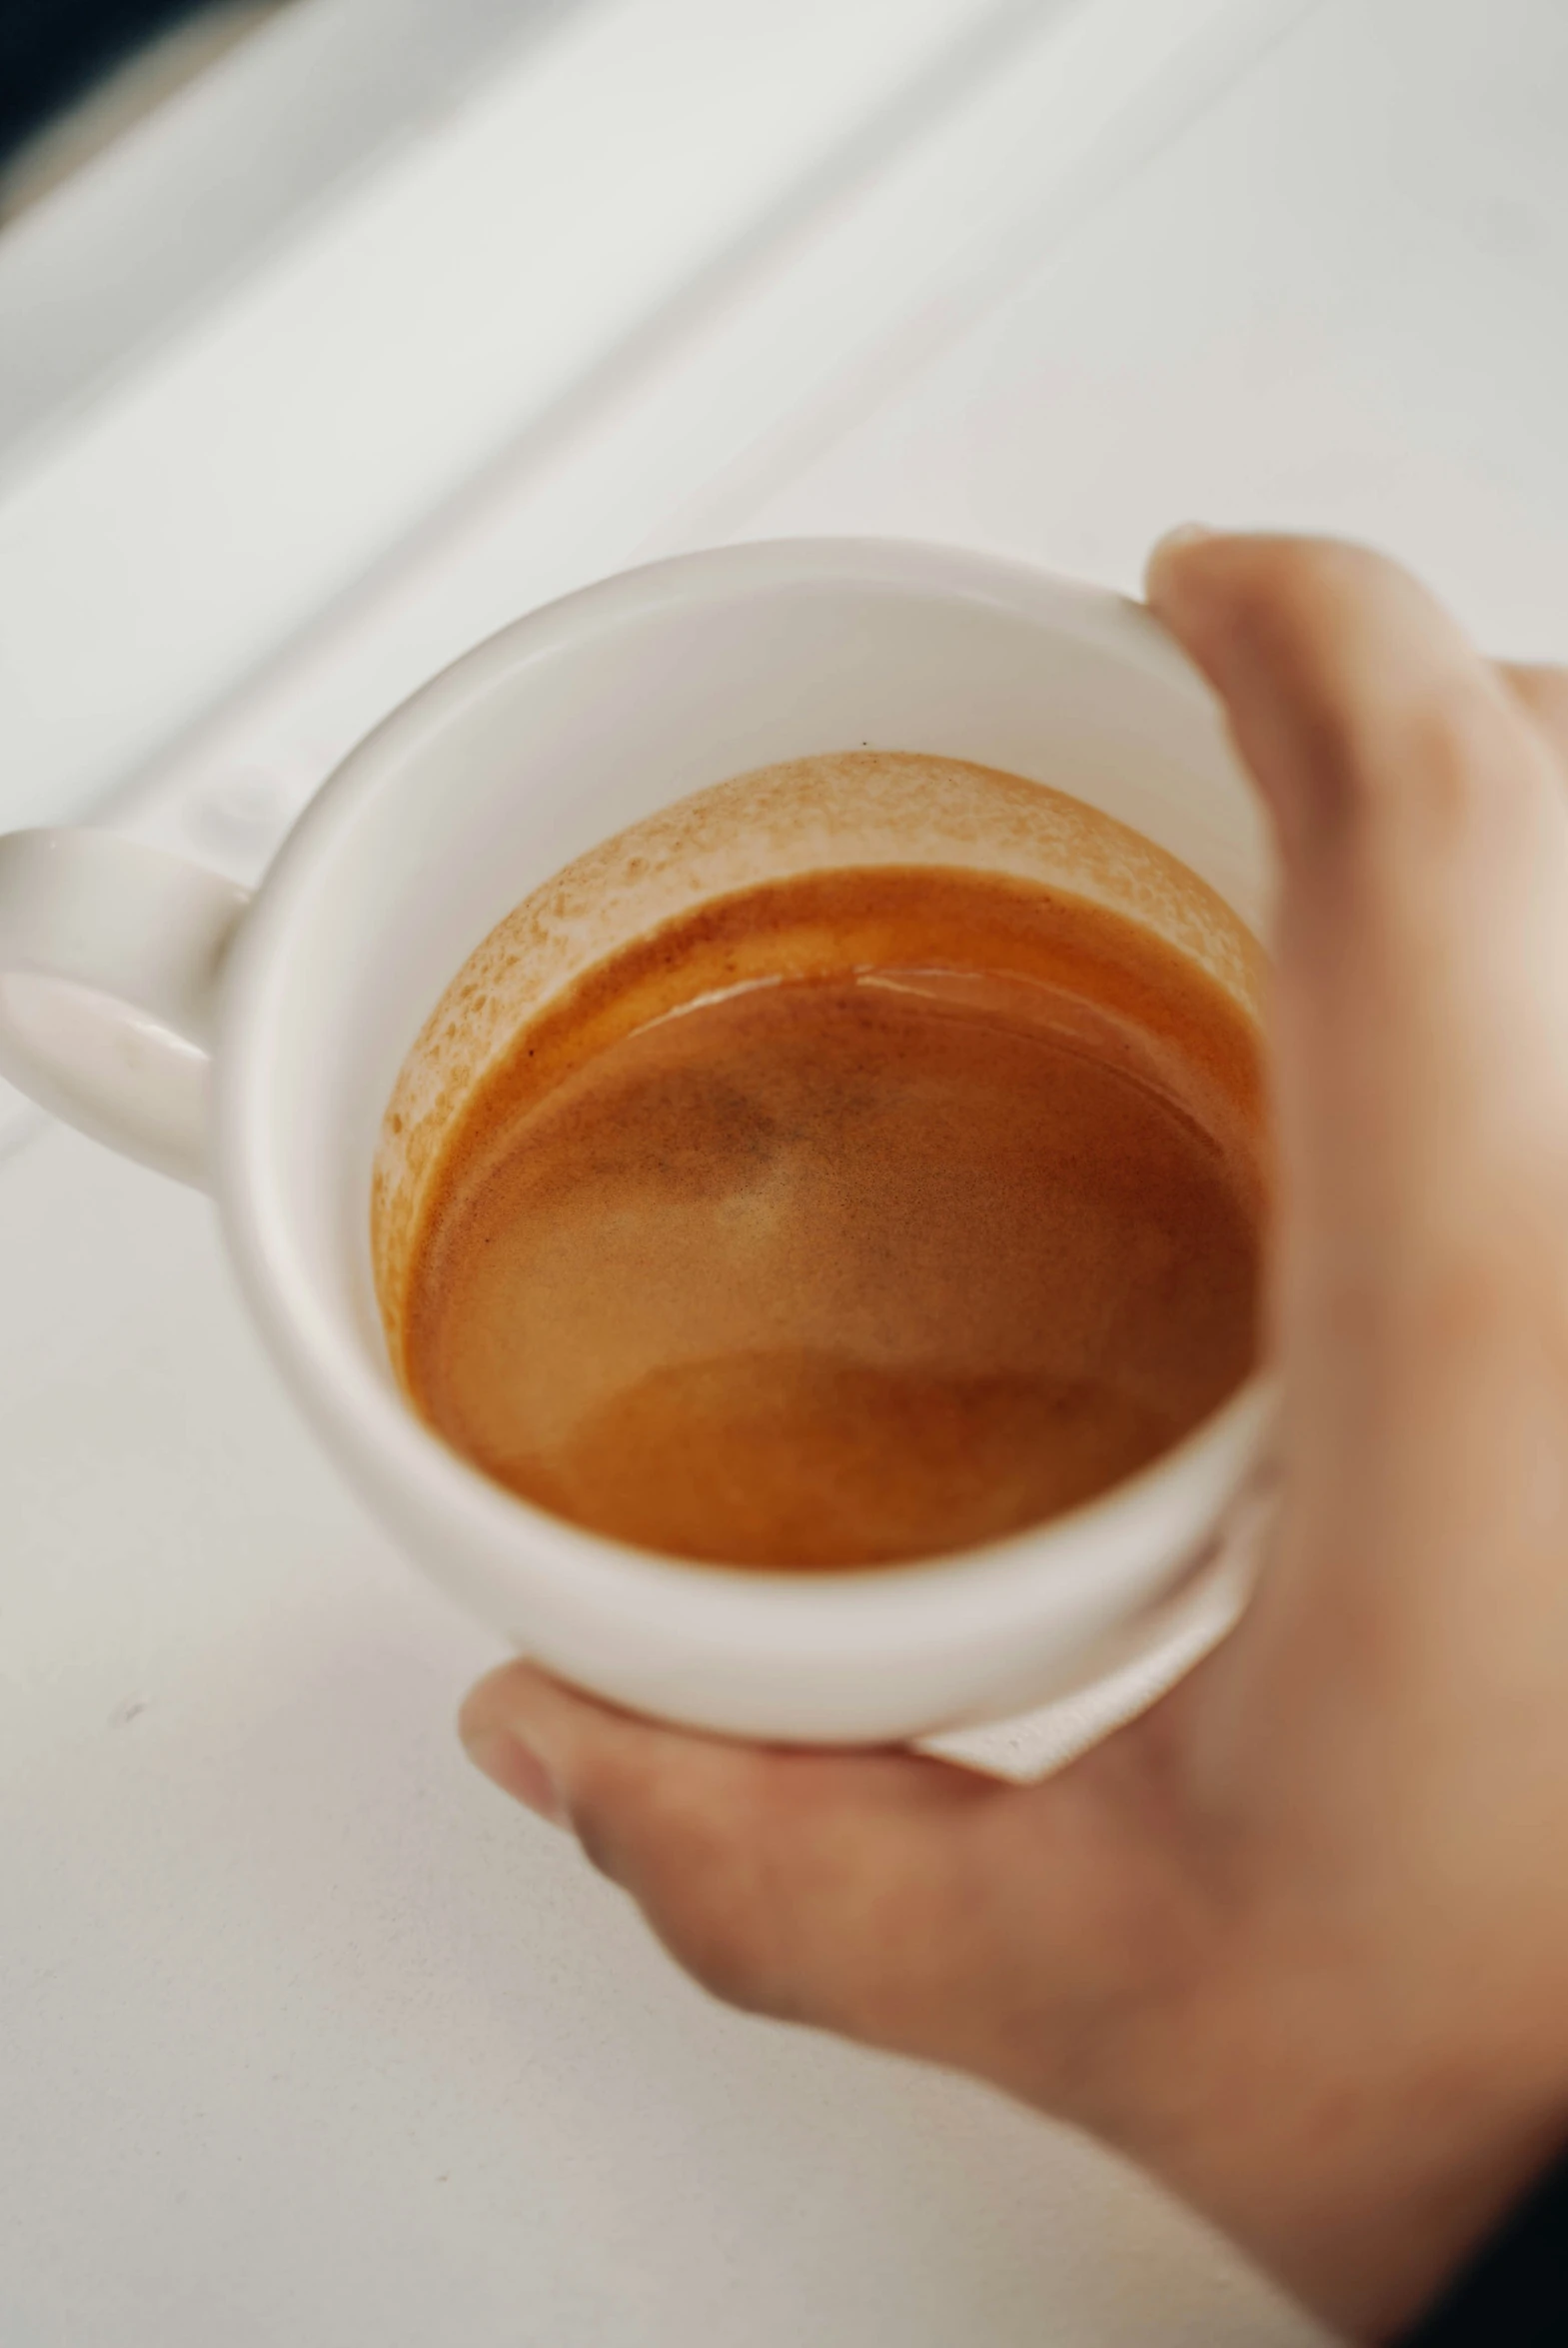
x,y
1421,978
1422,936
1420,1043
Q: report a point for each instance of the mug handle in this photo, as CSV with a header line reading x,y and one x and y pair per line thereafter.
x,y
111,955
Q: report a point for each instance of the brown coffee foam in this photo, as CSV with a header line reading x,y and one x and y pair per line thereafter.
x,y
931,1213
857,808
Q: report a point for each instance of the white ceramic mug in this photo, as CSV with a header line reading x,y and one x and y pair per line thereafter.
x,y
251,1045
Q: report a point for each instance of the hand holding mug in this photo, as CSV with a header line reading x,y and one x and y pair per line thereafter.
x,y
1295,1939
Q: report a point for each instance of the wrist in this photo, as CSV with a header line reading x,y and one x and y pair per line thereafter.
x,y
1370,2248
1363,2182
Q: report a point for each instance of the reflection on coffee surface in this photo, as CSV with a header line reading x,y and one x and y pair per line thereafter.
x,y
851,1219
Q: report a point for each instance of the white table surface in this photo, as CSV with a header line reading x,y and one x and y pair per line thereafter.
x,y
308,2037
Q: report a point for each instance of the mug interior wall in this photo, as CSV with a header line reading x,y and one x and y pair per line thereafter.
x,y
544,745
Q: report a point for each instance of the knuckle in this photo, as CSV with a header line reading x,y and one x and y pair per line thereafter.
x,y
1408,736
716,1942
690,1864
759,1880
1442,767
611,1817
1298,596
1404,790
734,1901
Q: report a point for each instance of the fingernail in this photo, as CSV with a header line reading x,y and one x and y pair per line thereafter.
x,y
517,1771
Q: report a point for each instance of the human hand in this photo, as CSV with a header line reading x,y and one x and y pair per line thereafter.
x,y
1296,1940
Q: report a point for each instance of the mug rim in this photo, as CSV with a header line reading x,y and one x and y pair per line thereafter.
x,y
883,1611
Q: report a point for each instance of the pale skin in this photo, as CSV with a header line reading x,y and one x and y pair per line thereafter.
x,y
1297,1940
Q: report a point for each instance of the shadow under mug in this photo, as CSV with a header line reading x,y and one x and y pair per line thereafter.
x,y
251,1045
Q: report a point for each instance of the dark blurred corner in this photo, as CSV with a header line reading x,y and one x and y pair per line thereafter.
x,y
74,72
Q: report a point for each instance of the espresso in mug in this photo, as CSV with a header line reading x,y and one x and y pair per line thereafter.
x,y
853,1217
